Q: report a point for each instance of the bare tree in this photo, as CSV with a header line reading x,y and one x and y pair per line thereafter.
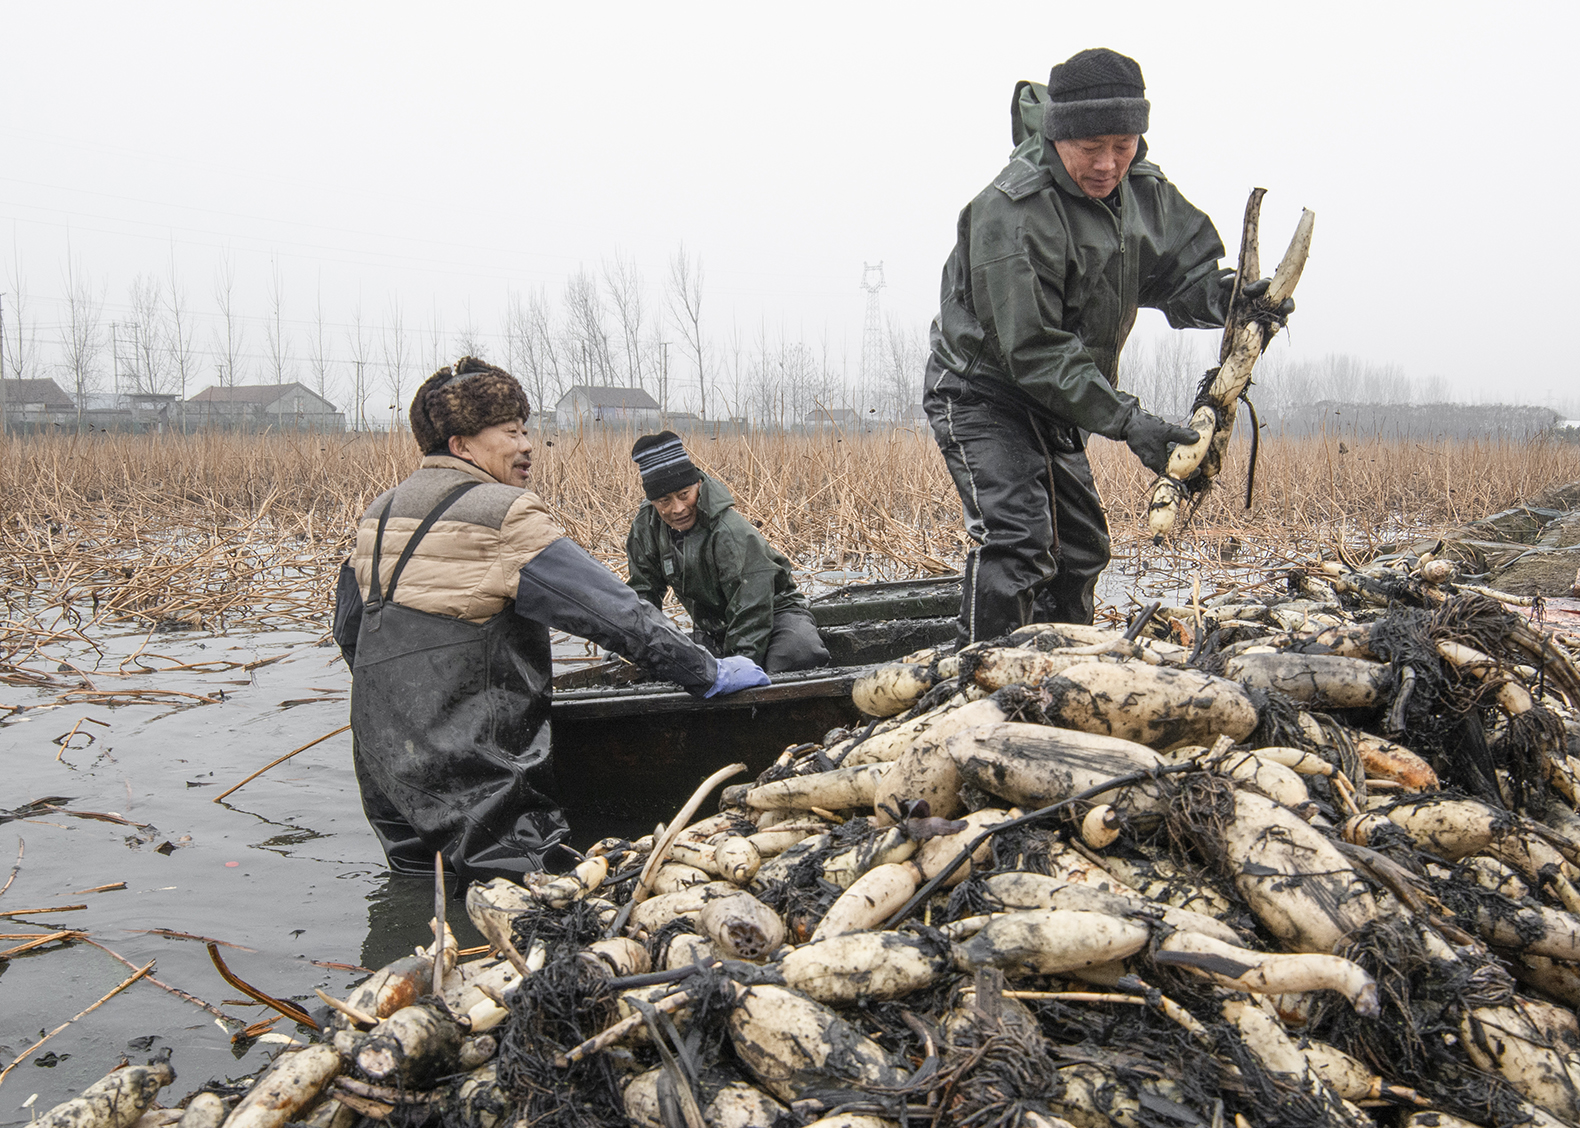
x,y
20,345
467,338
786,381
1433,389
1280,386
318,351
587,339
763,394
1387,383
735,352
828,389
1163,372
532,351
396,349
1286,389
518,344
623,282
228,334
357,339
82,337
149,358
684,298
900,379
437,352
280,365
178,341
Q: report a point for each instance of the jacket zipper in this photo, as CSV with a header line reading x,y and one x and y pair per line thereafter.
x,y
1119,322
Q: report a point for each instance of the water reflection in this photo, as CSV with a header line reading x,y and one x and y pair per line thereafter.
x,y
399,907
290,838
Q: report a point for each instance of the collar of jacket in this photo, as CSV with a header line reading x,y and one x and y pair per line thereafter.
x,y
713,499
450,462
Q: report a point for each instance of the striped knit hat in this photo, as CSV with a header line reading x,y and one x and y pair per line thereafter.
x,y
664,463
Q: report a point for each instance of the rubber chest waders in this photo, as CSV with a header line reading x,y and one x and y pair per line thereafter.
x,y
450,724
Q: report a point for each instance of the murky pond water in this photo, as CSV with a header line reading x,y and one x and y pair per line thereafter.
x,y
286,868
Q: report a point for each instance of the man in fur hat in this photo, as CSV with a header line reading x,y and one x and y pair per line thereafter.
x,y
1051,262
443,613
737,589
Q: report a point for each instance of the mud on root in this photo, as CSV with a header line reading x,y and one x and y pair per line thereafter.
x,y
1416,1035
552,1011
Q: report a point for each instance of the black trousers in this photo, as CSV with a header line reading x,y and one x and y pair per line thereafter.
x,y
1030,505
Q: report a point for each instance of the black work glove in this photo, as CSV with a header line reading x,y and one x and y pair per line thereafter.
x,y
1255,290
1149,439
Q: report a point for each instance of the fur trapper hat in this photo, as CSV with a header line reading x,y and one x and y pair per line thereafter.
x,y
462,400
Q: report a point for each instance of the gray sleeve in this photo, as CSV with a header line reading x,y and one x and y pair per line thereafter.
x,y
348,613
565,588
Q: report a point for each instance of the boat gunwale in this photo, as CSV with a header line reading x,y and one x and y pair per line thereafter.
x,y
667,697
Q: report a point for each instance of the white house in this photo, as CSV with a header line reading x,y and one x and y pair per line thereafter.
x,y
36,404
253,407
592,406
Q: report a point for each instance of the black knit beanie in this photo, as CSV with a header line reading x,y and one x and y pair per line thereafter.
x,y
664,463
462,400
1094,93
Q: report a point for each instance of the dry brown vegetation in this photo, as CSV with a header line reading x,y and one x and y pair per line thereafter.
x,y
232,531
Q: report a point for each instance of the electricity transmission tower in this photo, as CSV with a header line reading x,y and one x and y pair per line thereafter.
x,y
872,331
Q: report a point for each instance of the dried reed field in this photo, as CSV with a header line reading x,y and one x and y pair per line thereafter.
x,y
230,531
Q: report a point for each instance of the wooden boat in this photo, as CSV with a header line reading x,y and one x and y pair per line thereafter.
x,y
628,752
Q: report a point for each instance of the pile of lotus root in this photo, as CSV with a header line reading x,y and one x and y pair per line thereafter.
x,y
1295,861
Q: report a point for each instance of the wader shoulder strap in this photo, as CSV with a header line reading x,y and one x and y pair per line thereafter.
x,y
375,596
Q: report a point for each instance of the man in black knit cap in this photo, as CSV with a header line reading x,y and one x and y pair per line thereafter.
x,y
1051,262
738,591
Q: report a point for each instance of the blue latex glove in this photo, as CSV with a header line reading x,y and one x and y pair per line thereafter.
x,y
736,672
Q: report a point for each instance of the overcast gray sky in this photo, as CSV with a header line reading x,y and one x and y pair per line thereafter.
x,y
444,153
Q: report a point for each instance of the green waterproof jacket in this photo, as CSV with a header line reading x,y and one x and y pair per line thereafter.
x,y
1043,284
726,574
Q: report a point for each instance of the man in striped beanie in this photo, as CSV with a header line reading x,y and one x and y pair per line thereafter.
x,y
736,587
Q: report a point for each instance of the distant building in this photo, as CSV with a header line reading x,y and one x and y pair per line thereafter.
x,y
159,410
131,411
914,414
590,406
258,407
33,405
832,417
